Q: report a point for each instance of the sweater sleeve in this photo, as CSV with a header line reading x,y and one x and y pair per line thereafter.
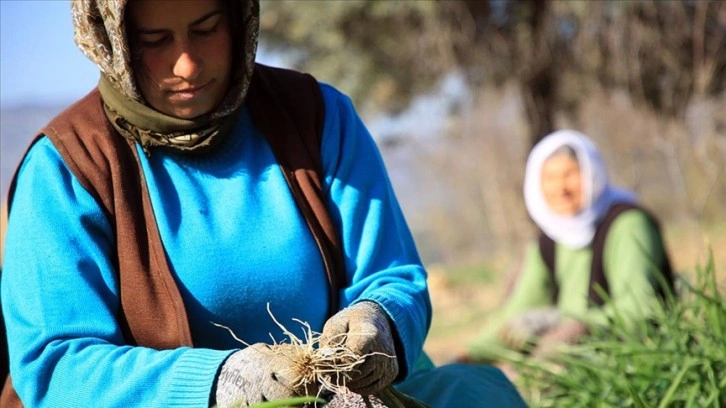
x,y
60,301
632,257
532,290
382,263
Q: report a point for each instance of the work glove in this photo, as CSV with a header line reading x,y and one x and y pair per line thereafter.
x,y
527,326
364,329
566,332
257,374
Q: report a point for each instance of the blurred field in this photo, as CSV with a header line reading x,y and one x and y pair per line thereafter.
x,y
461,193
459,185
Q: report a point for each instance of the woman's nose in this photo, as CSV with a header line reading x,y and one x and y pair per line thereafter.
x,y
187,65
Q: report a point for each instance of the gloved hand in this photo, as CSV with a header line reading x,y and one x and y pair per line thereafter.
x,y
527,326
257,374
567,332
364,329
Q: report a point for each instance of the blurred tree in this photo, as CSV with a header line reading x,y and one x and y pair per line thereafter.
x,y
381,52
385,53
663,53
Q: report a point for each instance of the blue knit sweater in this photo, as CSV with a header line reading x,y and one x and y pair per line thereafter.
x,y
235,242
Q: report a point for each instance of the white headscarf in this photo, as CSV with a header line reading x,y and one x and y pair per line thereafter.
x,y
575,231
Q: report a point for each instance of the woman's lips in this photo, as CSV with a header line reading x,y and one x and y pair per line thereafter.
x,y
189,93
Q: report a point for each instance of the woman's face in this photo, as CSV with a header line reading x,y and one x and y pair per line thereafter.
x,y
562,184
185,54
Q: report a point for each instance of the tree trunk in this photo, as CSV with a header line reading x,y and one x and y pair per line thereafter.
x,y
538,77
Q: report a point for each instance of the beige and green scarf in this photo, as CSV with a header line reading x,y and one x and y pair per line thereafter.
x,y
100,33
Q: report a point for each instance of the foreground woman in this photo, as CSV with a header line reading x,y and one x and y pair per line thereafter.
x,y
113,301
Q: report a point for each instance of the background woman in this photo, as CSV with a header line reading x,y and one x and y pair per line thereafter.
x,y
594,238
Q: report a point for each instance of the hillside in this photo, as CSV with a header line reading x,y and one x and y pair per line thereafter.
x,y
18,125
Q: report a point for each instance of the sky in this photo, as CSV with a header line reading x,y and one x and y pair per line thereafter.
x,y
39,62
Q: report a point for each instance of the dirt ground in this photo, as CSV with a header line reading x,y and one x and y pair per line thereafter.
x,y
459,313
461,308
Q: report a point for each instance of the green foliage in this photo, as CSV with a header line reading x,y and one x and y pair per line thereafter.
x,y
294,402
288,403
389,396
381,53
677,361
385,53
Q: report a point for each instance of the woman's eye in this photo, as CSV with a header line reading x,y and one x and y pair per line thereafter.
x,y
153,41
206,31
208,27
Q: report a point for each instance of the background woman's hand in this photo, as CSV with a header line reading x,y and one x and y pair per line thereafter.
x,y
567,332
527,326
513,338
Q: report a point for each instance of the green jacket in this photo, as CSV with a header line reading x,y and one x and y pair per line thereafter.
x,y
631,257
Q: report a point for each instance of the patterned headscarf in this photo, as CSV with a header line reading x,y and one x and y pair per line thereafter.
x,y
100,33
578,230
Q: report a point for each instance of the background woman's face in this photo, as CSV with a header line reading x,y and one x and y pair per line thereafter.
x,y
185,54
562,184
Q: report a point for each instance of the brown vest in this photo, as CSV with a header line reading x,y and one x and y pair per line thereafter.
x,y
597,269
287,107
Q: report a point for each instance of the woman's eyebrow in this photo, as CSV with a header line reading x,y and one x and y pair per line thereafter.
x,y
205,17
142,31
198,21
